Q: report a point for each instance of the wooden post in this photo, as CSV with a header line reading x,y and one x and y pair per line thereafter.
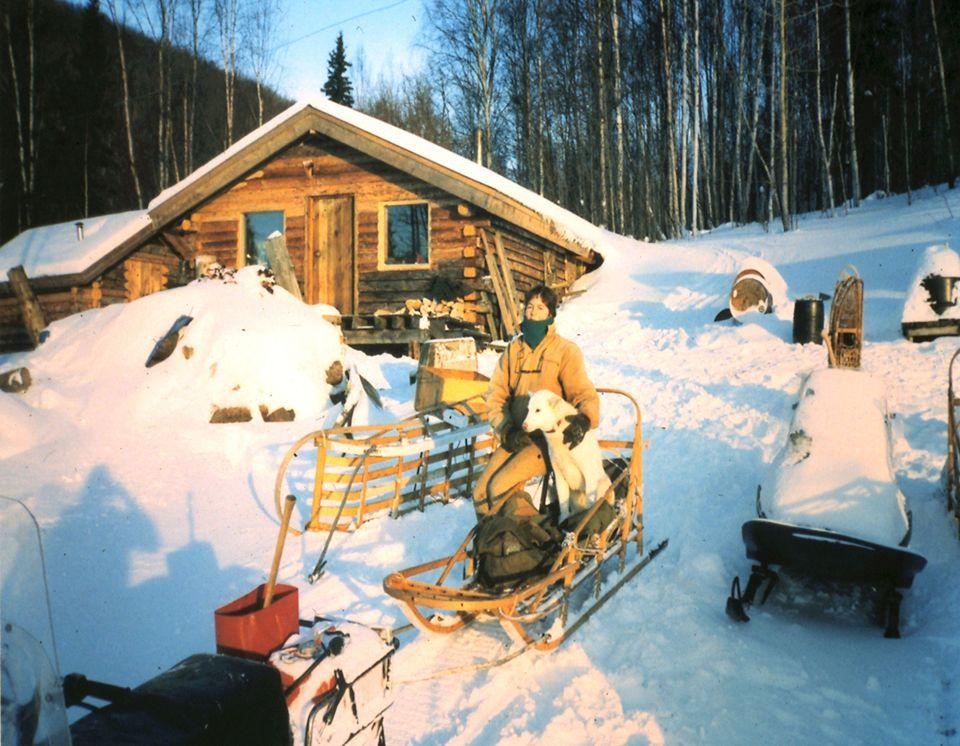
x,y
508,282
29,305
282,266
506,313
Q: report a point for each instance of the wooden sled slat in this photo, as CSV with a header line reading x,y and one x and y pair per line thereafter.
x,y
363,471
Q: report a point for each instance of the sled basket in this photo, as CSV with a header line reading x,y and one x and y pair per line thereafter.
x,y
350,474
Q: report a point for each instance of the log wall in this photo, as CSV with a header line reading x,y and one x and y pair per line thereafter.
x,y
321,167
110,287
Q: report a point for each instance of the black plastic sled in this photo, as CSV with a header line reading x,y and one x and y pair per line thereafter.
x,y
827,555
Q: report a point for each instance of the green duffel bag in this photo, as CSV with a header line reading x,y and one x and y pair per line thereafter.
x,y
514,545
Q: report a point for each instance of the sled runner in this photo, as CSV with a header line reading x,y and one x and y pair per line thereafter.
x,y
953,445
834,510
846,319
536,610
361,471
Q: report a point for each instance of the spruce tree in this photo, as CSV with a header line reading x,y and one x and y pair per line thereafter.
x,y
338,87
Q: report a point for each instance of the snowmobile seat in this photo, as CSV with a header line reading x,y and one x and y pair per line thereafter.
x,y
830,555
205,699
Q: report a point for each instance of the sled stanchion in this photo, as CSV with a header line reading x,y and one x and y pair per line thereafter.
x,y
318,478
318,568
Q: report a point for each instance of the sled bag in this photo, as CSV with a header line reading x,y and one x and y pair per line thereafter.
x,y
515,544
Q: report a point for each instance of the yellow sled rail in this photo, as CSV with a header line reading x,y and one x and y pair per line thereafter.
x,y
439,606
350,474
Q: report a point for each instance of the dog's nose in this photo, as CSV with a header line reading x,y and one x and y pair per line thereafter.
x,y
526,427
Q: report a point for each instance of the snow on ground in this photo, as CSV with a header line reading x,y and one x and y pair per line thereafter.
x,y
151,517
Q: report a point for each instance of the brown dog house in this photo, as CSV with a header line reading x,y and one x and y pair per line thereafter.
x,y
375,221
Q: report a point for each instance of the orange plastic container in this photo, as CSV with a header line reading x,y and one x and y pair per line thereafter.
x,y
246,630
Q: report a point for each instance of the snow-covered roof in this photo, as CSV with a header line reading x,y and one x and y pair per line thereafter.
x,y
54,250
566,224
51,250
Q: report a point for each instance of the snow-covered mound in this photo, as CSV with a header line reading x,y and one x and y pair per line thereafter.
x,y
249,343
937,260
834,472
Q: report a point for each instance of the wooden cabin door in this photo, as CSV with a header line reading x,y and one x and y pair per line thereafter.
x,y
331,271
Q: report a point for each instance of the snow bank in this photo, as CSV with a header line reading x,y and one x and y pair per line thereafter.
x,y
247,345
55,250
936,260
834,472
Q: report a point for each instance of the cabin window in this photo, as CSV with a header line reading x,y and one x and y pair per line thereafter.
x,y
259,226
407,234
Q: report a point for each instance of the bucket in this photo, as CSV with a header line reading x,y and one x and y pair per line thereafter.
x,y
247,630
942,292
807,320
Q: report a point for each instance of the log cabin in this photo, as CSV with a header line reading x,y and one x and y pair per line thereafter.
x,y
374,219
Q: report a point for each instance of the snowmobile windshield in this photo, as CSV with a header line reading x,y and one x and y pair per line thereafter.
x,y
32,701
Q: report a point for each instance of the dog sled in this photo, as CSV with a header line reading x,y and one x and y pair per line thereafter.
x,y
542,611
953,445
350,474
833,510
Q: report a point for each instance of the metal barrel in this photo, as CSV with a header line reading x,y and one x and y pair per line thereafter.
x,y
750,293
941,291
807,320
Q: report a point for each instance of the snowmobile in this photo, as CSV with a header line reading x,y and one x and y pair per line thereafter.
x,y
832,509
326,683
931,309
952,467
364,470
536,611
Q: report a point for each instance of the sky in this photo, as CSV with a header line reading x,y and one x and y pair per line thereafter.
x,y
383,32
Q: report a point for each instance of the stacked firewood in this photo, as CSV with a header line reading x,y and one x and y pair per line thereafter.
x,y
461,308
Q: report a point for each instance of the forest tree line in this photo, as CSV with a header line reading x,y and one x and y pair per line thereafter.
x,y
652,117
105,104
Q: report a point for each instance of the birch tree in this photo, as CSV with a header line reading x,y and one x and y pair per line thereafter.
x,y
951,176
26,131
851,111
227,13
118,25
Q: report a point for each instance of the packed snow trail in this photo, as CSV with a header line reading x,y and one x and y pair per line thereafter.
x,y
152,518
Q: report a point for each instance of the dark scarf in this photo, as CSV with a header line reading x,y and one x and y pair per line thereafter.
x,y
534,331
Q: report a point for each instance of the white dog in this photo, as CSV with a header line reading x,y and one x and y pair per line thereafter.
x,y
578,471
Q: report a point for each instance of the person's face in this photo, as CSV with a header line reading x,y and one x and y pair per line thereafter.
x,y
536,309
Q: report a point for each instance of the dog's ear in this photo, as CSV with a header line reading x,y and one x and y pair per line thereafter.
x,y
554,398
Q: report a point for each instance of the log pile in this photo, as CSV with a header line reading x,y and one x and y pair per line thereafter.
x,y
465,308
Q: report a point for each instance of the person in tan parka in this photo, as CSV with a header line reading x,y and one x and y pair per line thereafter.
x,y
537,359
